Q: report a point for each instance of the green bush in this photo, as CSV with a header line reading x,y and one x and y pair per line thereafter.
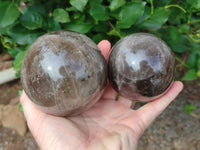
x,y
176,22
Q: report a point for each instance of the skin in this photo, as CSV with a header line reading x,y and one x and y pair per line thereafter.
x,y
108,125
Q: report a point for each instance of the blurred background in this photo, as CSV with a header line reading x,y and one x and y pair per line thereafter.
x,y
177,22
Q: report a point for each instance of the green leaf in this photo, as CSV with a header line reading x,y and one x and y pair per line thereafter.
x,y
39,8
198,62
176,16
98,37
76,15
130,13
4,30
99,12
115,14
181,45
198,73
194,3
18,60
61,15
14,51
20,106
53,24
161,3
115,4
156,21
176,41
192,59
20,93
8,13
115,32
94,2
79,27
118,96
184,28
31,20
173,32
146,14
23,36
82,18
79,4
102,26
7,42
190,75
189,108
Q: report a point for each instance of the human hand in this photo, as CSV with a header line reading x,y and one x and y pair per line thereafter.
x,y
108,125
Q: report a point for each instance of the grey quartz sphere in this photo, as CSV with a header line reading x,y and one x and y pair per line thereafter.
x,y
141,67
64,73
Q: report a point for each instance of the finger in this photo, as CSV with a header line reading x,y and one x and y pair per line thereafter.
x,y
109,93
151,110
127,102
33,116
28,107
141,118
105,47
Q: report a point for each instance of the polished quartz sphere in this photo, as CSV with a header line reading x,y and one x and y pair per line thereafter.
x,y
141,67
64,73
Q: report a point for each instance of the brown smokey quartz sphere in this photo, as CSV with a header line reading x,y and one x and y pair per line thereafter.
x,y
64,73
141,67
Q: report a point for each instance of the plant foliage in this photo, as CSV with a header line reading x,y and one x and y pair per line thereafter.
x,y
189,108
176,22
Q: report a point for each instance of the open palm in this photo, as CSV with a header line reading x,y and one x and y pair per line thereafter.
x,y
108,125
